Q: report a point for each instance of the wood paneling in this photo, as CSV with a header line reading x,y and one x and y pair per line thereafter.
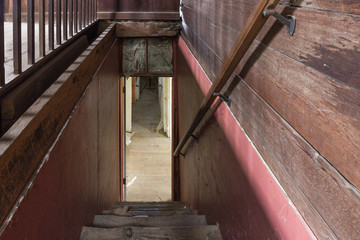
x,y
138,6
299,102
217,168
81,173
148,29
41,124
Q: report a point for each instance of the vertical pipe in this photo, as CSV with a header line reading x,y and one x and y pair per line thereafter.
x,y
2,54
71,15
76,14
58,22
30,31
17,36
42,27
65,22
51,24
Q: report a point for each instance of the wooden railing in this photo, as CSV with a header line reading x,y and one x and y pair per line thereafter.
x,y
71,17
242,44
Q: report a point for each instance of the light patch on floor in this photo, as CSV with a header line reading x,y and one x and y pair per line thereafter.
x,y
148,156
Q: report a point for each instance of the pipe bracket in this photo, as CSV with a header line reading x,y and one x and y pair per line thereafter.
x,y
224,98
289,21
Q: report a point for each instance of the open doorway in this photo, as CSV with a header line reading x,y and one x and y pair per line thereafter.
x,y
148,124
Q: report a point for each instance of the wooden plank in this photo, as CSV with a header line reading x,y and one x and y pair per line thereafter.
x,y
310,43
145,6
109,221
42,27
2,46
340,117
51,24
350,7
158,204
148,29
42,124
132,233
139,15
130,213
58,22
17,36
30,31
299,168
294,153
247,36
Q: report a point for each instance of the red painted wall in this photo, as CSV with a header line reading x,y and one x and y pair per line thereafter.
x,y
223,176
80,176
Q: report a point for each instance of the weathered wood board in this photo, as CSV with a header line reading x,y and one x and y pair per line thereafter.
x,y
148,29
297,99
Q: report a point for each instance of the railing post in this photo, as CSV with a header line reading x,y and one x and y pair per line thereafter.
x,y
65,22
42,27
71,17
58,22
17,36
51,24
30,31
2,54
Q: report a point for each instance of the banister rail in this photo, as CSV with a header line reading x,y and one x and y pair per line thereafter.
x,y
242,44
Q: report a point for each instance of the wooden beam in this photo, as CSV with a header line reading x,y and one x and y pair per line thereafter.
x,y
242,44
139,15
148,29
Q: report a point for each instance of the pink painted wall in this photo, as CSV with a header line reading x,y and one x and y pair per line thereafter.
x,y
223,176
81,175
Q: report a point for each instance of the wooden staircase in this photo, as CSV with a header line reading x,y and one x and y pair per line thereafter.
x,y
150,220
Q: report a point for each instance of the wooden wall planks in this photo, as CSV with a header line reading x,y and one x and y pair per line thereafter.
x,y
306,87
140,6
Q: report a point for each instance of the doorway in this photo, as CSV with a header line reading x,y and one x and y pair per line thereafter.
x,y
148,124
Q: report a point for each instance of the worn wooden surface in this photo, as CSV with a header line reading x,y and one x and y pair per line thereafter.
x,y
38,128
147,233
140,6
168,16
70,180
148,29
304,86
117,221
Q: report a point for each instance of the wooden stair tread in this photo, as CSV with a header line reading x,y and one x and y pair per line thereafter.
x,y
150,208
120,212
112,221
209,232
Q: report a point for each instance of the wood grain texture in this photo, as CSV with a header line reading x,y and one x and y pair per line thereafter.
x,y
140,6
139,15
343,6
148,29
117,221
306,87
147,233
342,116
37,129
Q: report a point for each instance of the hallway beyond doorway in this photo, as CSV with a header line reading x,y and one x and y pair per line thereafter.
x,y
148,156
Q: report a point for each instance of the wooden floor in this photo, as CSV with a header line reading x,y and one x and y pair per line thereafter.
x,y
148,157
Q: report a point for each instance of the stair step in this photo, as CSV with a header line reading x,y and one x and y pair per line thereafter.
x,y
160,204
168,233
111,221
125,212
150,208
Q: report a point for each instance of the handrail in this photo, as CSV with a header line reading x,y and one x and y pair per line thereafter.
x,y
242,44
